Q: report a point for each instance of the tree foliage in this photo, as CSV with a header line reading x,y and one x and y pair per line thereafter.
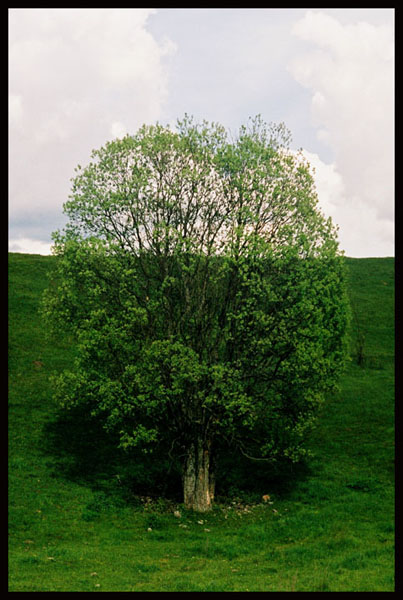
x,y
205,291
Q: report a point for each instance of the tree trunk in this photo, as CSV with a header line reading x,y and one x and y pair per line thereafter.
x,y
198,478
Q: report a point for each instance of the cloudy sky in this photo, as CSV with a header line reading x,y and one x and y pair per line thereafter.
x,y
80,77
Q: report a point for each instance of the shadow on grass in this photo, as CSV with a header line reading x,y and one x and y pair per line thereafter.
x,y
238,476
80,450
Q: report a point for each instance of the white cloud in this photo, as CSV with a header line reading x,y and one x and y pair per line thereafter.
x,y
15,111
350,72
118,130
77,78
329,183
29,246
362,232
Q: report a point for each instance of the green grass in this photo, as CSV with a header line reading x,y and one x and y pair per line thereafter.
x,y
75,525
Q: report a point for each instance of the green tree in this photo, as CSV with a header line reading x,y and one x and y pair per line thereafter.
x,y
205,292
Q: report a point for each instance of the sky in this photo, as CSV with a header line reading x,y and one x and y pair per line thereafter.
x,y
81,77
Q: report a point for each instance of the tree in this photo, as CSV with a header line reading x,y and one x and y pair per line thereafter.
x,y
205,292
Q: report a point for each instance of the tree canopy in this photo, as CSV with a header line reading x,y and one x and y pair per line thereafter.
x,y
205,291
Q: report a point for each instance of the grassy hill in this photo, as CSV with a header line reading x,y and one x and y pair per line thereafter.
x,y
75,524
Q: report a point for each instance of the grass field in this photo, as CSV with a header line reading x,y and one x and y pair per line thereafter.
x,y
74,526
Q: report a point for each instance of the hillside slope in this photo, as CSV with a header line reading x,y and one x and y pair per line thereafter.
x,y
73,526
